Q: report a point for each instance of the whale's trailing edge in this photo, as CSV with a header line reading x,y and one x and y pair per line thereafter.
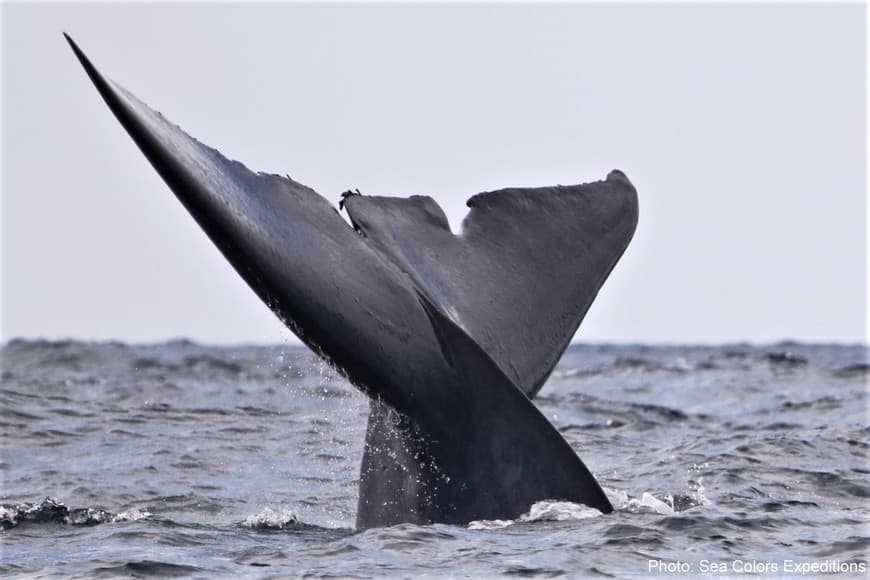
x,y
454,333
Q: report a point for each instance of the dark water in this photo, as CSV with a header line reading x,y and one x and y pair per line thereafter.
x,y
183,460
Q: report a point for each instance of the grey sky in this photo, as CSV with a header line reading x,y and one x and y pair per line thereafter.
x,y
742,126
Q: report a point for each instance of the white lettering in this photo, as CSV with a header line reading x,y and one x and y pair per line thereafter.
x,y
754,567
715,567
667,567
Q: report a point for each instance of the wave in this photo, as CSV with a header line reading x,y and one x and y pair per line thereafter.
x,y
270,519
51,511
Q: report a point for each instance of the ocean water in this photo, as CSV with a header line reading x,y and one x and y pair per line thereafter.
x,y
179,459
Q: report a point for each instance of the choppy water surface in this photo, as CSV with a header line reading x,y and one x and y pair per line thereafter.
x,y
179,459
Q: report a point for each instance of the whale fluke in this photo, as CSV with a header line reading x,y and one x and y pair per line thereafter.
x,y
451,335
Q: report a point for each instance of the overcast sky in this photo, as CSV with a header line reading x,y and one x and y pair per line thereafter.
x,y
742,127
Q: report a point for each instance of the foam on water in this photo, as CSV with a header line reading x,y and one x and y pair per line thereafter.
x,y
269,519
542,511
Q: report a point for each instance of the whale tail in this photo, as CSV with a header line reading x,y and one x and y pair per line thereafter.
x,y
451,335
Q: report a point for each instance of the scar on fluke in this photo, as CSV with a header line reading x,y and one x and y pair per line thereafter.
x,y
455,334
